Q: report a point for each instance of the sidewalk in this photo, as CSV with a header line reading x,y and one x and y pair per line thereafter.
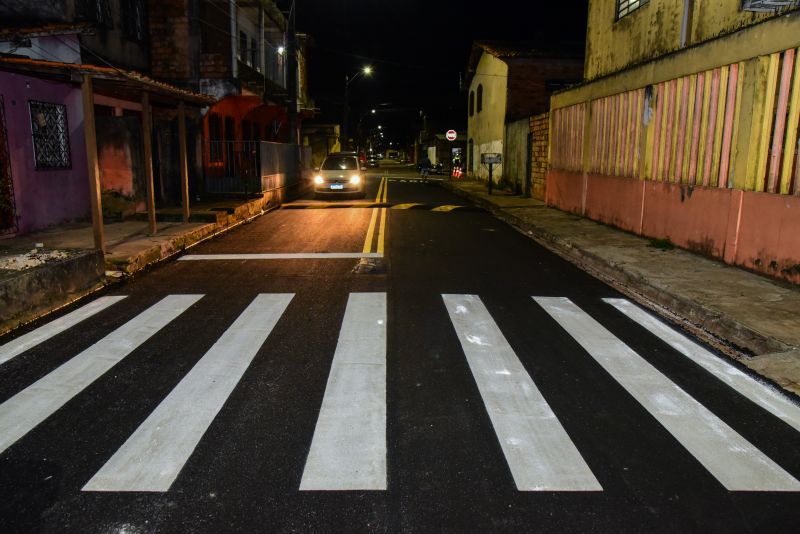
x,y
751,318
44,271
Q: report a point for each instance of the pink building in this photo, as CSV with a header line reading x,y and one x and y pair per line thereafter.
x,y
45,164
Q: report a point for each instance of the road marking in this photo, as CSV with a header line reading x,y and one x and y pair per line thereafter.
x,y
761,394
371,229
283,256
348,450
380,189
382,233
734,461
43,333
446,208
329,205
539,452
24,411
370,232
152,457
408,206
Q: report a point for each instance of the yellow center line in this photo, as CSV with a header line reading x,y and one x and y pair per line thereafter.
x,y
380,189
370,232
371,229
381,233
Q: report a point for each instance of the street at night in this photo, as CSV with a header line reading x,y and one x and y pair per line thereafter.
x,y
348,266
440,394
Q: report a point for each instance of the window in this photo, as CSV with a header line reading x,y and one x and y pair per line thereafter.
x,y
766,6
242,46
215,136
254,54
50,135
480,98
626,7
134,19
98,11
471,103
340,163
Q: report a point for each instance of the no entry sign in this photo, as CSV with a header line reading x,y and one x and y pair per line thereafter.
x,y
451,135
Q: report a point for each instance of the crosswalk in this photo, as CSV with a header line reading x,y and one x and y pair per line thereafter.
x,y
348,448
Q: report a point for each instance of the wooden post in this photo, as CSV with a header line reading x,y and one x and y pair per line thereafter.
x,y
183,160
90,134
147,133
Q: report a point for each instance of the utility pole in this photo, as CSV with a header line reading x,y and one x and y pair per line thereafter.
x,y
291,74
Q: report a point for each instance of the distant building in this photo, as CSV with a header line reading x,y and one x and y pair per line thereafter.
x,y
509,82
236,52
687,128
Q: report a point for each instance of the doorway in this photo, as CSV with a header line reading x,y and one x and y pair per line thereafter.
x,y
8,211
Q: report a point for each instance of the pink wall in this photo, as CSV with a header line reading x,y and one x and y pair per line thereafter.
x,y
564,190
44,197
758,231
769,235
616,201
694,218
116,172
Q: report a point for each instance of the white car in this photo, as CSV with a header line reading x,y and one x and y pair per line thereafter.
x,y
340,174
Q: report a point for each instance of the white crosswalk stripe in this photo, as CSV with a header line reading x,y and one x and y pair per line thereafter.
x,y
152,457
24,411
761,394
538,450
53,328
734,461
348,451
348,448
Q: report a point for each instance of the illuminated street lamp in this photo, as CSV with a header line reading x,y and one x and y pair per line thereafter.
x,y
366,71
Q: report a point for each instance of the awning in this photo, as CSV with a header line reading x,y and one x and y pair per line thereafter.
x,y
110,81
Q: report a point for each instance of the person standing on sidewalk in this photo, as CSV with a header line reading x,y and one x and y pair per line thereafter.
x,y
425,168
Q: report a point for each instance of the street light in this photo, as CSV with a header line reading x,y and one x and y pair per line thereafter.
x,y
366,71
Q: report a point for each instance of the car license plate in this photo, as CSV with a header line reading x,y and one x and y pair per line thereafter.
x,y
337,186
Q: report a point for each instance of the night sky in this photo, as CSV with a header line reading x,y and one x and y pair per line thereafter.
x,y
418,50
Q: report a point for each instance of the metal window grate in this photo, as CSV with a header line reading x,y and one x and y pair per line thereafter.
x,y
50,135
626,7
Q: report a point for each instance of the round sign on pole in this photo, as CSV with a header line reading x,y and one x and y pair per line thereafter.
x,y
451,135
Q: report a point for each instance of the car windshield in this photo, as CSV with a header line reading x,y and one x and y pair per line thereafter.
x,y
340,163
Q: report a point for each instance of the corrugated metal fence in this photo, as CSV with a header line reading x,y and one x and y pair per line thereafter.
x,y
254,166
686,130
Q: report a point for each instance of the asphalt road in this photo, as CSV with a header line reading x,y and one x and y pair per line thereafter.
x,y
396,376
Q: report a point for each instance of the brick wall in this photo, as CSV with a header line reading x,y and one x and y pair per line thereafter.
x,y
170,40
213,66
528,91
540,128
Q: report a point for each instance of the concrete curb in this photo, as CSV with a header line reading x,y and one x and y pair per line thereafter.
x,y
726,334
41,290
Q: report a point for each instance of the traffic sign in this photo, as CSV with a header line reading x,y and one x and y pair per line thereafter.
x,y
451,135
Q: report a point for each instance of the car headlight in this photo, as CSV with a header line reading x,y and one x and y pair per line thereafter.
x,y
355,180
319,180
